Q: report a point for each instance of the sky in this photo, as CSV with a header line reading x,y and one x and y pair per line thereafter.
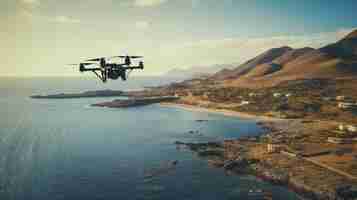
x,y
39,37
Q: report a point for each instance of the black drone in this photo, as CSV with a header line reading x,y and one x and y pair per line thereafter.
x,y
108,70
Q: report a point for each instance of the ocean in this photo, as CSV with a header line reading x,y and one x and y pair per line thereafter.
x,y
65,149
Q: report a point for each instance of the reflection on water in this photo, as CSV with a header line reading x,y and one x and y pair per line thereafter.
x,y
63,149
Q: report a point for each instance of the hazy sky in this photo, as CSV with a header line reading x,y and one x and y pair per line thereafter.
x,y
40,36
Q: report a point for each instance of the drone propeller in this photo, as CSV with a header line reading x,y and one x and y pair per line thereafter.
x,y
96,59
126,56
82,64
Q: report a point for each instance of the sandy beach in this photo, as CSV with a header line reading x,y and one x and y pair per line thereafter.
x,y
223,112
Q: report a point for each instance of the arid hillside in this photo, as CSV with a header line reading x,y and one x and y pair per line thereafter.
x,y
337,60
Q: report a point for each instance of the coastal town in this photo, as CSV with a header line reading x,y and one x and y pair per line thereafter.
x,y
315,156
309,117
309,142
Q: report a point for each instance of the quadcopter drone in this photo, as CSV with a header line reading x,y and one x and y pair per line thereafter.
x,y
105,70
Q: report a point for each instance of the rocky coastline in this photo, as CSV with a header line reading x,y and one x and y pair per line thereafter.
x,y
87,94
133,102
219,154
249,155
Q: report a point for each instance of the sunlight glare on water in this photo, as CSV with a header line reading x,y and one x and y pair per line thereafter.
x,y
65,149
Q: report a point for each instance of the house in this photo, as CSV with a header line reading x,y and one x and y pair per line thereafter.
x,y
206,95
277,94
274,147
252,94
344,105
340,98
244,103
349,128
341,127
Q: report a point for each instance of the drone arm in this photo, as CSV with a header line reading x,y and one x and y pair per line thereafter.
x,y
134,67
102,76
91,69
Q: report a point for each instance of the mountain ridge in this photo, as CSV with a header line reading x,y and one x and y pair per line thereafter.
x,y
275,65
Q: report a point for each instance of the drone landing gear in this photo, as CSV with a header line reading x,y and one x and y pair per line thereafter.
x,y
102,76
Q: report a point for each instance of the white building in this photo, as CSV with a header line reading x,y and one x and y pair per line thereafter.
x,y
351,128
277,94
340,98
252,94
244,103
288,95
344,105
347,128
274,148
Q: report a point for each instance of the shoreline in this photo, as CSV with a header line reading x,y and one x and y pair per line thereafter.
x,y
85,94
225,112
293,183
134,102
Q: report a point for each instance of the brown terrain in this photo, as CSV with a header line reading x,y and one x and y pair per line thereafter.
x,y
308,95
285,64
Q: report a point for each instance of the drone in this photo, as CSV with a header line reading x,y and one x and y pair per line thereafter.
x,y
105,70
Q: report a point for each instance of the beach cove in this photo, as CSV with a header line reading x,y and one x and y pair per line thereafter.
x,y
65,149
267,158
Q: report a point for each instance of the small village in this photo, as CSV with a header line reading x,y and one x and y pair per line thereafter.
x,y
310,143
317,170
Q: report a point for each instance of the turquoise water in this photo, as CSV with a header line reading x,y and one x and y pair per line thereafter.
x,y
65,149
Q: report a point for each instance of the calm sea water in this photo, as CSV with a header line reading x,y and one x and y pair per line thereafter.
x,y
65,149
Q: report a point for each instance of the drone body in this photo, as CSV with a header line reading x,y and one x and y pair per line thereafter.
x,y
104,70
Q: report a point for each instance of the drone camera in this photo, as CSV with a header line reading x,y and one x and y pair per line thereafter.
x,y
81,68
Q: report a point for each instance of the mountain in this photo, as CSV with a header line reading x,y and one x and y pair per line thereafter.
x,y
334,60
352,35
278,63
265,57
337,60
222,74
345,48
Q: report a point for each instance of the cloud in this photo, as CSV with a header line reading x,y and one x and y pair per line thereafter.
x,y
27,7
195,3
66,20
148,3
239,50
31,2
29,15
26,13
29,10
315,40
142,25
